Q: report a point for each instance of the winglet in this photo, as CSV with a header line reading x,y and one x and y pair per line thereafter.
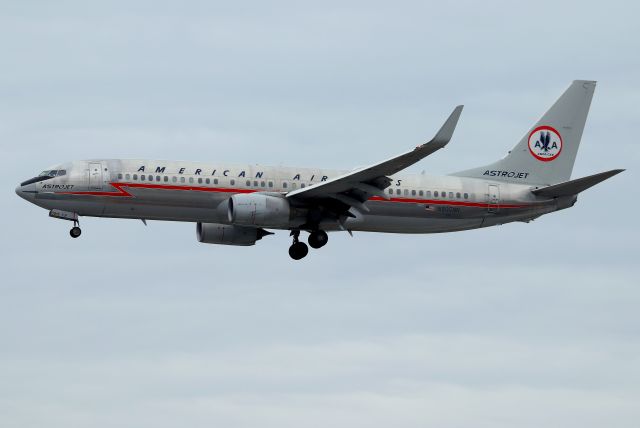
x,y
446,132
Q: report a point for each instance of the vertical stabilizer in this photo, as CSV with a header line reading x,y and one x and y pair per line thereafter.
x,y
547,152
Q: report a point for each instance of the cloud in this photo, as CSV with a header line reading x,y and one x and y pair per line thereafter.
x,y
523,325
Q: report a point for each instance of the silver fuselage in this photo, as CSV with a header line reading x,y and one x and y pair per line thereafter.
x,y
197,192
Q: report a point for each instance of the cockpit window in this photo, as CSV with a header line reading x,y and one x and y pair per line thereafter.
x,y
45,175
53,173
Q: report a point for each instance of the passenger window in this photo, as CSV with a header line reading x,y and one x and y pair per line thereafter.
x,y
428,193
199,180
293,185
398,192
458,195
413,193
271,184
262,184
174,179
255,183
215,181
166,178
302,185
466,196
391,191
157,178
284,184
443,194
248,183
128,176
190,179
207,181
435,194
182,180
233,182
135,176
451,195
141,177
119,176
421,193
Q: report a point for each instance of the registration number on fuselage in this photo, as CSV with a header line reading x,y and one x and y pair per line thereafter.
x,y
449,211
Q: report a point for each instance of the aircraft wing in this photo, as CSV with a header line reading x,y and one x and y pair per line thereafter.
x,y
355,187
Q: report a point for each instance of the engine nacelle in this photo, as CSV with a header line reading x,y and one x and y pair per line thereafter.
x,y
257,209
224,234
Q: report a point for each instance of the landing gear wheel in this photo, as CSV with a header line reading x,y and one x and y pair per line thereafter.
x,y
75,232
318,239
298,250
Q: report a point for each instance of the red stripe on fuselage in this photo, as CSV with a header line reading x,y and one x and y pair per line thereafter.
x,y
444,202
123,193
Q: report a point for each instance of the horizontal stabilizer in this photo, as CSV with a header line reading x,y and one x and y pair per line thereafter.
x,y
576,186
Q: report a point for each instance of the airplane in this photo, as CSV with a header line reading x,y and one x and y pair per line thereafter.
x,y
239,204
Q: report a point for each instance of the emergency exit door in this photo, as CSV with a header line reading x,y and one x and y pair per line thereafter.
x,y
95,176
493,198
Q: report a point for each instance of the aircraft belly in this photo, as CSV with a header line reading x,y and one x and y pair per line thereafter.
x,y
89,207
395,217
395,224
171,205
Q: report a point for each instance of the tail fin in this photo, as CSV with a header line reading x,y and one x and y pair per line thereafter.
x,y
546,154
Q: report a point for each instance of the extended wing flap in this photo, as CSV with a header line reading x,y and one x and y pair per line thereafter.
x,y
573,187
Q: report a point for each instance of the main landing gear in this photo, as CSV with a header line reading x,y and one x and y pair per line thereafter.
x,y
318,239
298,250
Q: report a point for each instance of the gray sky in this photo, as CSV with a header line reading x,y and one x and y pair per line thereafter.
x,y
519,325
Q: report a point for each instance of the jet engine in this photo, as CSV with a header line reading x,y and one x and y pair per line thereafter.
x,y
214,233
258,209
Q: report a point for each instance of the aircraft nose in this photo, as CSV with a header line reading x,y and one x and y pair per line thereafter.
x,y
19,190
26,192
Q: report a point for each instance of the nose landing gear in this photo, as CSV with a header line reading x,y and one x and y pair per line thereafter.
x,y
75,231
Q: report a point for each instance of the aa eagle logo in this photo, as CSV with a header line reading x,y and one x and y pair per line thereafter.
x,y
545,143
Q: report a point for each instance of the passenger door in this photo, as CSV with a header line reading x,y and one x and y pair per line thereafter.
x,y
493,198
95,176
